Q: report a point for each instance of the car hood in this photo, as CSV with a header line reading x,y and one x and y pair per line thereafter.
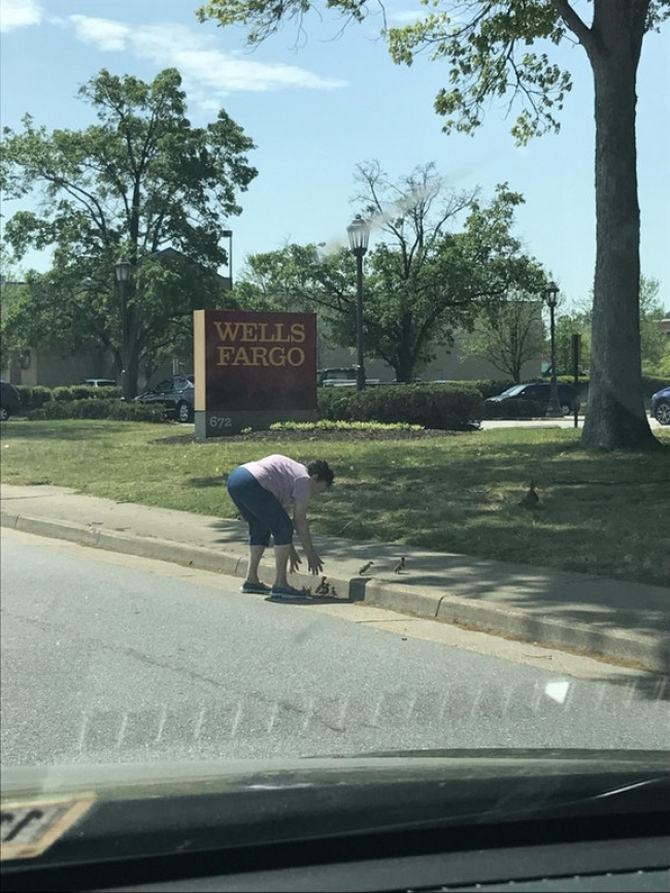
x,y
135,778
157,811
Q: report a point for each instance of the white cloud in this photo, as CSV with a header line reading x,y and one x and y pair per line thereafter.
x,y
19,14
103,33
208,72
407,16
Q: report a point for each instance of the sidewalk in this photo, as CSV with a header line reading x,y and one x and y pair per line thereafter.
x,y
616,620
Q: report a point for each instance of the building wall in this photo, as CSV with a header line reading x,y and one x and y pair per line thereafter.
x,y
52,368
449,364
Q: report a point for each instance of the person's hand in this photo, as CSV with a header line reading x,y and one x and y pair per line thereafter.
x,y
294,560
314,563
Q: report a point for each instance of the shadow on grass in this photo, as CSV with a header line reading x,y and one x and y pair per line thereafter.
x,y
60,430
204,483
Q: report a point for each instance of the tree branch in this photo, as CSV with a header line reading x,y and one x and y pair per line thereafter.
x,y
578,27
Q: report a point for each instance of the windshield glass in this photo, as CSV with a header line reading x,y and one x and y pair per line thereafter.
x,y
260,496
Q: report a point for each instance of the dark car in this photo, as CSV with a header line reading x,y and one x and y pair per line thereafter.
x,y
175,394
540,392
660,405
10,401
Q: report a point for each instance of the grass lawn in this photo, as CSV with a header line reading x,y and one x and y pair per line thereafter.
x,y
601,513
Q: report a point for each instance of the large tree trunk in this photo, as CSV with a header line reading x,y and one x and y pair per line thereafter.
x,y
616,417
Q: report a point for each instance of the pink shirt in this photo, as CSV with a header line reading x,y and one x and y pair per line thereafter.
x,y
286,479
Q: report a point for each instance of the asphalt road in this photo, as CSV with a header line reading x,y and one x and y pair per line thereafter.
x,y
109,658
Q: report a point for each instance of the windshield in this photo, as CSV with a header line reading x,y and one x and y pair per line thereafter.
x,y
211,552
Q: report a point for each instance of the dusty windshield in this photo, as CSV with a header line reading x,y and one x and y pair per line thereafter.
x,y
266,272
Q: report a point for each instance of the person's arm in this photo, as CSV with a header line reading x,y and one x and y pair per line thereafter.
x,y
302,527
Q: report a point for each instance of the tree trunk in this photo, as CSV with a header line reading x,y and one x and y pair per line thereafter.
x,y
616,417
404,369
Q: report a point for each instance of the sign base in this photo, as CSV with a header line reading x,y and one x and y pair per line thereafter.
x,y
227,424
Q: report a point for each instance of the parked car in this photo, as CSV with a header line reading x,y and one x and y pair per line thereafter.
x,y
660,405
340,377
176,394
541,393
10,400
100,382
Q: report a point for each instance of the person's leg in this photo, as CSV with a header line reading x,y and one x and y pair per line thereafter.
x,y
240,489
281,562
265,515
255,555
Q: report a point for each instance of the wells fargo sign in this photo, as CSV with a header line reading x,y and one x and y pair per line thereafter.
x,y
252,369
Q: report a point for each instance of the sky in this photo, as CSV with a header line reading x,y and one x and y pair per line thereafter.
x,y
316,110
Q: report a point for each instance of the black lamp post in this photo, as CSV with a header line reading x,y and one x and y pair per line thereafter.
x,y
228,234
123,270
359,236
551,297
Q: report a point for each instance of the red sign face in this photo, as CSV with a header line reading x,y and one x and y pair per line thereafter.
x,y
255,361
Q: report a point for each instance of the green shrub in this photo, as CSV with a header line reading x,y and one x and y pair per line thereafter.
x,y
67,393
33,397
514,409
26,395
334,403
118,410
123,411
36,397
62,394
443,406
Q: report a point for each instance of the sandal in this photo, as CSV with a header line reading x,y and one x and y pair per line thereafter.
x,y
259,588
289,594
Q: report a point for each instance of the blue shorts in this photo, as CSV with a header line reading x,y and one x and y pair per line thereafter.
x,y
260,509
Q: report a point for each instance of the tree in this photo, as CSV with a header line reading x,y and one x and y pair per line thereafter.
x,y
487,48
509,334
655,342
11,294
576,322
424,278
140,180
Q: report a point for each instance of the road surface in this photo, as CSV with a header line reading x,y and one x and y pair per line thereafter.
x,y
110,658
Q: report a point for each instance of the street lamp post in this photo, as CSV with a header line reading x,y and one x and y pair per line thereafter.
x,y
228,234
359,235
551,297
123,270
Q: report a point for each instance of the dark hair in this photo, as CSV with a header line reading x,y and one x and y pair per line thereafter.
x,y
322,470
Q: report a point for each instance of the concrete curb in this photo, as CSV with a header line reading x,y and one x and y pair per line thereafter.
x,y
613,644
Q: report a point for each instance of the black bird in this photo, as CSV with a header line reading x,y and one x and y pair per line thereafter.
x,y
400,566
323,588
365,568
531,500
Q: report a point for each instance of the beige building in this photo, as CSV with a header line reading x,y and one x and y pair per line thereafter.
x,y
450,364
52,368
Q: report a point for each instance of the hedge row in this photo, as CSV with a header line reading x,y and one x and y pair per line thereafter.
x,y
443,406
36,397
117,410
